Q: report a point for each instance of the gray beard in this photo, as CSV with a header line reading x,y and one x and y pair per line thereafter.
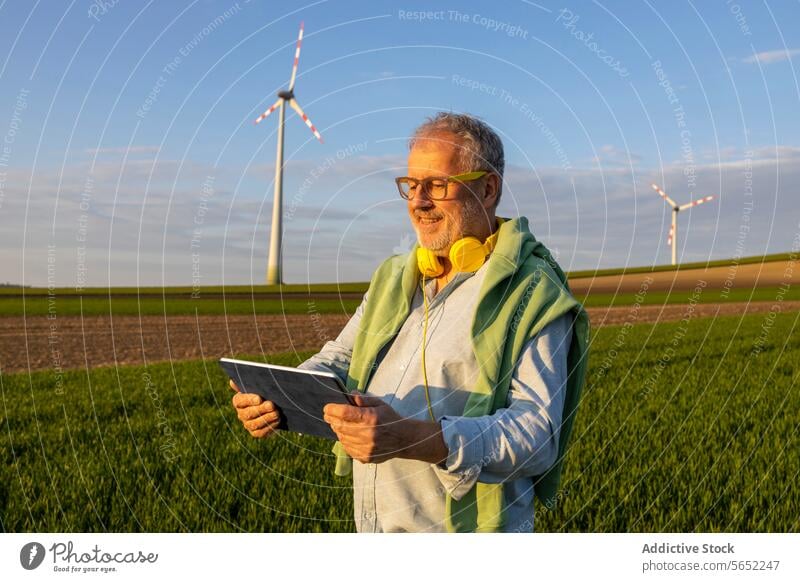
x,y
471,213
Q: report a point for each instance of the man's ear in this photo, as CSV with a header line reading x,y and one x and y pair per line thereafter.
x,y
492,191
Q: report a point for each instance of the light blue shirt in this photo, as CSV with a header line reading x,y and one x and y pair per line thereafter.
x,y
510,446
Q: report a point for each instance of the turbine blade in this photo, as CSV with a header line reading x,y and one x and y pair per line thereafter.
x,y
296,106
669,236
264,115
661,193
296,58
696,202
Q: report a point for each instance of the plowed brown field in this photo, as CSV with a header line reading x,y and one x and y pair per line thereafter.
x,y
98,341
37,343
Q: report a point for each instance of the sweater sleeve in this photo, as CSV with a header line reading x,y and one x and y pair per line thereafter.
x,y
520,440
335,354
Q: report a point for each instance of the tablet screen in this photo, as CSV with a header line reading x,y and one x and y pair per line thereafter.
x,y
300,395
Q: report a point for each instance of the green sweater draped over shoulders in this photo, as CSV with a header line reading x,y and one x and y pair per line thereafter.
x,y
523,290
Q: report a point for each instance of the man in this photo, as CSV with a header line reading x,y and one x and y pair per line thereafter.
x,y
469,354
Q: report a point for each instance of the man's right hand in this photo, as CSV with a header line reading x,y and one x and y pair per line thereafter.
x,y
260,417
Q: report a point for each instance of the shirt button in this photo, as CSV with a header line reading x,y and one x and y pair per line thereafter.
x,y
402,366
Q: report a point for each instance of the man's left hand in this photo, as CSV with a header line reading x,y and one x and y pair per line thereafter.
x,y
372,432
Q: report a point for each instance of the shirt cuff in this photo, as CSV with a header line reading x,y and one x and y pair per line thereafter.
x,y
465,456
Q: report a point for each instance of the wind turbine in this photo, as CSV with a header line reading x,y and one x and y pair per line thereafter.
x,y
275,262
672,237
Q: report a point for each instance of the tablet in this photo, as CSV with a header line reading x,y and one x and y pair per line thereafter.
x,y
300,395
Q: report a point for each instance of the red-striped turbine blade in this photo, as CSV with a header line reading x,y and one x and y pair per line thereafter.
x,y
296,57
664,195
305,119
697,202
669,236
264,115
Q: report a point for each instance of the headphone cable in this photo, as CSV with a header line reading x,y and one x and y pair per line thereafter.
x,y
424,335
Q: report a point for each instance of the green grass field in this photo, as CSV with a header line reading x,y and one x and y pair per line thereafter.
x,y
683,266
240,290
299,304
683,427
91,306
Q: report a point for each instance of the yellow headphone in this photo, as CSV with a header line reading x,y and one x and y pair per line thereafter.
x,y
466,255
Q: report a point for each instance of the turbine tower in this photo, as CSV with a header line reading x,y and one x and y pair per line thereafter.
x,y
672,237
275,262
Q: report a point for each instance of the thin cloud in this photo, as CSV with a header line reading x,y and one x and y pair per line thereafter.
x,y
145,149
156,227
770,57
611,155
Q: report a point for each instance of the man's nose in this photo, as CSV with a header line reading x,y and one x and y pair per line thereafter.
x,y
420,200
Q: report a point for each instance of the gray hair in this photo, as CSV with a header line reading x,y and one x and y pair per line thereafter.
x,y
480,148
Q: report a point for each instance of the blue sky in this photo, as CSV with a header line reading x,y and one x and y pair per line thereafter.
x,y
128,154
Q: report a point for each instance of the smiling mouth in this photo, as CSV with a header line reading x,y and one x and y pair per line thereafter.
x,y
423,220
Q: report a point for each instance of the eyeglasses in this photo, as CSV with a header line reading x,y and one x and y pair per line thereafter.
x,y
435,188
